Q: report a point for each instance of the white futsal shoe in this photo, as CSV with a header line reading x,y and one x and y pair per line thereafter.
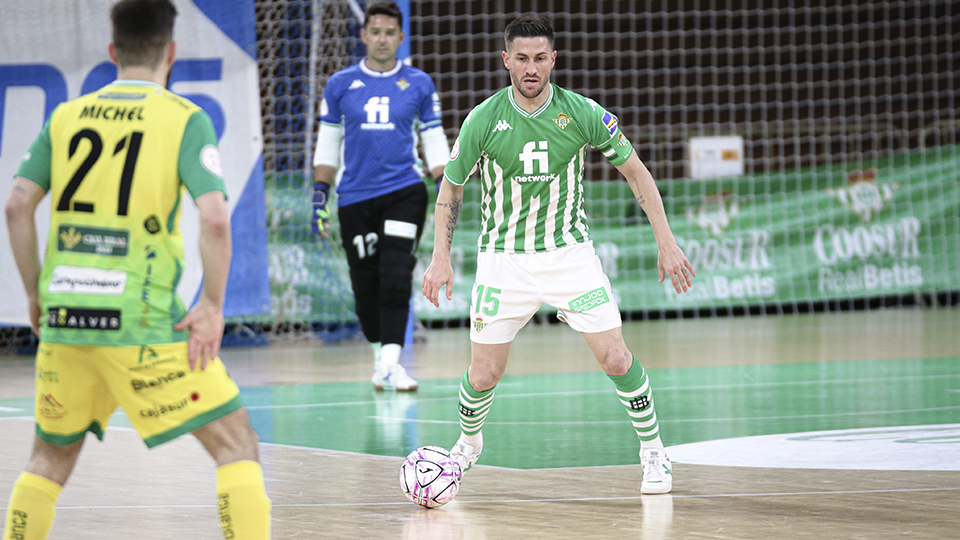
x,y
464,454
393,377
657,471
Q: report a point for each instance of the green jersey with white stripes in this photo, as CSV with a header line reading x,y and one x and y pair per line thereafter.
x,y
531,167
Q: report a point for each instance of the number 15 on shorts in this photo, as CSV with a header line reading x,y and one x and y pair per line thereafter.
x,y
485,299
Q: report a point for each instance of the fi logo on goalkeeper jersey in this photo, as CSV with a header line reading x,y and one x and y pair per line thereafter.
x,y
378,114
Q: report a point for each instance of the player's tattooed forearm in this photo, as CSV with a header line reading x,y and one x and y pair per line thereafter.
x,y
641,200
454,206
19,188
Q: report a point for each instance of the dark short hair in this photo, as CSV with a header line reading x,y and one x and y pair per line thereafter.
x,y
390,9
528,26
141,30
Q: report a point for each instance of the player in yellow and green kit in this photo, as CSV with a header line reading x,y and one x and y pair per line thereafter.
x,y
104,302
528,142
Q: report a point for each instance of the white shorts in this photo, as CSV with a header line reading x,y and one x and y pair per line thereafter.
x,y
511,287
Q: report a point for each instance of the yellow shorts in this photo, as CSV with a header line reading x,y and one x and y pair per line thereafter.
x,y
80,386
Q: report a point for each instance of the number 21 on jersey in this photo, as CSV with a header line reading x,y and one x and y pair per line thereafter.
x,y
131,143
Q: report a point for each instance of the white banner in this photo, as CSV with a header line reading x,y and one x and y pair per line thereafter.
x,y
53,50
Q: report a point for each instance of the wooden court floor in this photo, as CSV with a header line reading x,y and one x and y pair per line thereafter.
x,y
121,490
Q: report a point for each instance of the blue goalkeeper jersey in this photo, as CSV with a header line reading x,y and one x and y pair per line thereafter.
x,y
381,114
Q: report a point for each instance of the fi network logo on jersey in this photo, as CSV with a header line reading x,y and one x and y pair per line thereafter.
x,y
502,125
535,152
378,114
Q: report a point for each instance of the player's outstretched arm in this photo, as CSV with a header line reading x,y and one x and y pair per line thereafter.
x,y
670,258
21,206
440,271
205,320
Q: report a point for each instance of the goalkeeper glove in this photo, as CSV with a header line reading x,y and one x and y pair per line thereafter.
x,y
321,216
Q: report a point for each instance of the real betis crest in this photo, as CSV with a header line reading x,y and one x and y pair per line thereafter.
x,y
562,120
403,84
865,195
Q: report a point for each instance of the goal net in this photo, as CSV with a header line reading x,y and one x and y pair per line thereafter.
x,y
806,150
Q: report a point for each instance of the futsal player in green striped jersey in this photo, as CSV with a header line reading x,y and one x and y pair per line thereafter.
x,y
529,142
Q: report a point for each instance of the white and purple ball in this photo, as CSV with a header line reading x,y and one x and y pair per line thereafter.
x,y
430,477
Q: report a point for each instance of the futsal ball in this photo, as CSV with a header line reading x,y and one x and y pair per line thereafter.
x,y
430,477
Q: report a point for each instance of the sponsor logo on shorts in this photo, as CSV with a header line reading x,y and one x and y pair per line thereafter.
x,y
48,376
589,301
162,409
156,382
90,240
478,324
84,319
150,359
152,364
51,408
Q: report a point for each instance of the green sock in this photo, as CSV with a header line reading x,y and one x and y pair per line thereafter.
x,y
633,389
474,406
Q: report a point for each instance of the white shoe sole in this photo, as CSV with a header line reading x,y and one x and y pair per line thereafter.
x,y
656,489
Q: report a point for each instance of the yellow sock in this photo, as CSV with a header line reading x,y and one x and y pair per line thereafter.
x,y
242,501
32,505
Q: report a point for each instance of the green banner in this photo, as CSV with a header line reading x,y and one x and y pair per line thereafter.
x,y
885,227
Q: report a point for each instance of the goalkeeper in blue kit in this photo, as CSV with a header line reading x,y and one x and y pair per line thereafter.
x,y
377,110
528,141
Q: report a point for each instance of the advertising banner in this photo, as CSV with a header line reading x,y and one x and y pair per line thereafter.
x,y
55,50
890,227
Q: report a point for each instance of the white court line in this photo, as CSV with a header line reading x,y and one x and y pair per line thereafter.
x,y
10,409
555,499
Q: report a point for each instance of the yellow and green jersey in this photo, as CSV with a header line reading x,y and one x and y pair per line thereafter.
x,y
531,167
115,163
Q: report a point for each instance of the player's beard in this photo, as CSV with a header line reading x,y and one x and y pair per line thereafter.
x,y
518,84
